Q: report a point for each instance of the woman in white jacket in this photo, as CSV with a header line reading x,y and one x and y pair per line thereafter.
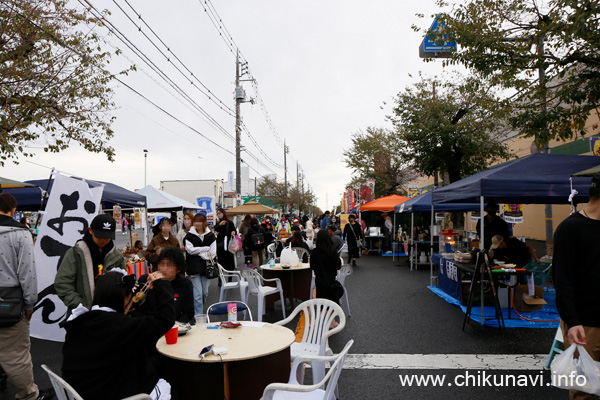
x,y
200,246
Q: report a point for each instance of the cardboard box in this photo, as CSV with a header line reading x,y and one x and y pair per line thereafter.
x,y
524,303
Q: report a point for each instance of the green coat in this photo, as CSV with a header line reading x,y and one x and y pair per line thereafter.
x,y
74,282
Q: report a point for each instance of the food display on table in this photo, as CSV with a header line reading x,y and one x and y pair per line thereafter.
x,y
463,257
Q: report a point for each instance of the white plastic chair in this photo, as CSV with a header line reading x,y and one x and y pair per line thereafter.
x,y
300,252
256,288
318,316
221,309
64,391
341,278
238,282
294,390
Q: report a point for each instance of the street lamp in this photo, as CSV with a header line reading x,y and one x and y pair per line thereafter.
x,y
145,166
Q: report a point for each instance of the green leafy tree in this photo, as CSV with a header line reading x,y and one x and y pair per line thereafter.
x,y
274,191
54,88
377,153
454,126
301,200
509,42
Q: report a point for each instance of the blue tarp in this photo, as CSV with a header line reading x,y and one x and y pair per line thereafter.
x,y
422,203
30,199
534,179
546,318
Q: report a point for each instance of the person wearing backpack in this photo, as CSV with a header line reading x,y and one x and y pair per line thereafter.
x,y
255,240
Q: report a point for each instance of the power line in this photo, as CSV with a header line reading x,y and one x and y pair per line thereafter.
x,y
125,40
211,96
260,148
173,117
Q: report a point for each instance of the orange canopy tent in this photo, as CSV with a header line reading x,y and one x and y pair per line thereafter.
x,y
384,203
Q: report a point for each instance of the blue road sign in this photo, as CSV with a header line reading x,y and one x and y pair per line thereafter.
x,y
429,46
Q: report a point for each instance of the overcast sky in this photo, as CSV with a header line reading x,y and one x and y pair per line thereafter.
x,y
324,69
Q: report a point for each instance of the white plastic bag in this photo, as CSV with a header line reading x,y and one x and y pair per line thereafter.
x,y
581,373
289,257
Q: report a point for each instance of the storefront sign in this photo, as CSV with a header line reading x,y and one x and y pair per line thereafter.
x,y
513,213
595,146
117,217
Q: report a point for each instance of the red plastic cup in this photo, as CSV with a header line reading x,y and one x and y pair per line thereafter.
x,y
171,335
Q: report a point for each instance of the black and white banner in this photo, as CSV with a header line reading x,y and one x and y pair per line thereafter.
x,y
71,207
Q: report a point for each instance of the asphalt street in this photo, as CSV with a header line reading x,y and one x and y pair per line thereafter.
x,y
393,313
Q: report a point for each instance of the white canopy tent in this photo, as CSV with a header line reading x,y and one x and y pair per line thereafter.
x,y
158,200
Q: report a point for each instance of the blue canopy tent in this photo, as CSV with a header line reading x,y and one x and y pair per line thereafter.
x,y
422,203
534,179
30,199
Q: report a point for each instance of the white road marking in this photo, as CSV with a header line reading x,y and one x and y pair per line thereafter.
x,y
446,361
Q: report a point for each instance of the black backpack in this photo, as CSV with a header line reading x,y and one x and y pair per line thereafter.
x,y
258,241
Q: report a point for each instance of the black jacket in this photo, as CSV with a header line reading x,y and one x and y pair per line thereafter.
x,y
105,355
183,299
195,263
253,230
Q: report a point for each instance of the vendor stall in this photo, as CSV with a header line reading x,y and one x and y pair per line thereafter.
x,y
535,179
373,237
423,204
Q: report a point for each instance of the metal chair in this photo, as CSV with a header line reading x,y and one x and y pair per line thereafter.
x,y
256,288
238,282
341,278
301,252
295,390
221,309
64,391
318,316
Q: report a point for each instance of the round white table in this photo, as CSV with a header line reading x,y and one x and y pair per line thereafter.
x,y
295,282
256,356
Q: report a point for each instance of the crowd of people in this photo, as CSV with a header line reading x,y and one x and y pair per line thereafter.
x,y
102,299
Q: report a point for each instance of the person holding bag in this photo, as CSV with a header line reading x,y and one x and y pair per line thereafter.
x,y
353,235
200,247
226,232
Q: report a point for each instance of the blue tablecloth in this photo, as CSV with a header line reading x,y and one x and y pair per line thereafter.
x,y
449,276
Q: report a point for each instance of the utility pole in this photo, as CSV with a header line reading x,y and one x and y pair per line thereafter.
x,y
298,185
254,188
285,151
302,186
238,99
546,149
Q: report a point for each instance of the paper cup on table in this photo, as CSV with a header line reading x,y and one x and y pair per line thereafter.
x,y
171,335
201,320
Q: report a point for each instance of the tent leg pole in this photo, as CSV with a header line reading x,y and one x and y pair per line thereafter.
x,y
431,247
145,226
412,239
481,200
394,250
